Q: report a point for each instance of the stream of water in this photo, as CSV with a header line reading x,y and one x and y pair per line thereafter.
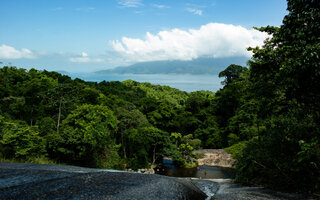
x,y
203,172
216,182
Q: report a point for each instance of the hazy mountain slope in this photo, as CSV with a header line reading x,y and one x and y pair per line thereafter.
x,y
196,66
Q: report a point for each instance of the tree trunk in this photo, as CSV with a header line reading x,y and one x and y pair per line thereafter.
x,y
123,146
259,136
31,120
59,115
154,155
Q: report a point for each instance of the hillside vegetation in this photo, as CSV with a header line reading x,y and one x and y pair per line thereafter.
x,y
108,124
268,115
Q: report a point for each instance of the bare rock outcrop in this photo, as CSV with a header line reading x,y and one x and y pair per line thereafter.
x,y
33,181
215,157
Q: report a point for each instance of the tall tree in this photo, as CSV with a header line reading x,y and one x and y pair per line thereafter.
x,y
284,77
88,136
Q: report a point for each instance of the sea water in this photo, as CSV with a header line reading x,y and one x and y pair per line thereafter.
x,y
184,82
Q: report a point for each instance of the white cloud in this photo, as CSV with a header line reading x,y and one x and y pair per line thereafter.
x,y
160,6
130,3
194,11
211,40
84,58
8,52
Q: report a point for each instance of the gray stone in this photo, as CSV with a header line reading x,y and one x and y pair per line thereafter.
x,y
31,181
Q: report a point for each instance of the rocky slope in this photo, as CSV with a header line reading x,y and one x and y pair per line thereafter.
x,y
31,181
215,157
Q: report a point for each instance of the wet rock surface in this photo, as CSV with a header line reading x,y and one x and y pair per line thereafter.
x,y
226,189
30,181
210,188
232,191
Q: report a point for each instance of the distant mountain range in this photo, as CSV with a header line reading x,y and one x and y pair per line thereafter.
x,y
196,66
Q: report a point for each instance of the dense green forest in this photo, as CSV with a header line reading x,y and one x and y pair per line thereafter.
x,y
106,124
266,115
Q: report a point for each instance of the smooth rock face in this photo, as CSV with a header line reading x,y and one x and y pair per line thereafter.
x,y
232,191
215,157
31,181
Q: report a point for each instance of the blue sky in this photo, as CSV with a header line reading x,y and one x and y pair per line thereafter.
x,y
89,35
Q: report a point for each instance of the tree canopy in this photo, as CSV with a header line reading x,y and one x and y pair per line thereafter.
x,y
267,114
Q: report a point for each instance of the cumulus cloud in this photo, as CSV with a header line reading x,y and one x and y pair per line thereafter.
x,y
8,52
84,58
194,11
212,40
130,3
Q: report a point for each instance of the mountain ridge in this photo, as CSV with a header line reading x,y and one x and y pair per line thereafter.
x,y
196,66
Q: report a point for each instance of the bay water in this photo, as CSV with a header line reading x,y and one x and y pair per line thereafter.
x,y
184,82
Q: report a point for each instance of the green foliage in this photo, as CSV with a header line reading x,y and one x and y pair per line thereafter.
x,y
40,160
236,150
233,139
88,135
75,124
90,95
181,151
34,160
232,73
229,100
269,113
18,140
147,144
129,122
284,154
211,137
245,124
170,95
46,126
284,82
